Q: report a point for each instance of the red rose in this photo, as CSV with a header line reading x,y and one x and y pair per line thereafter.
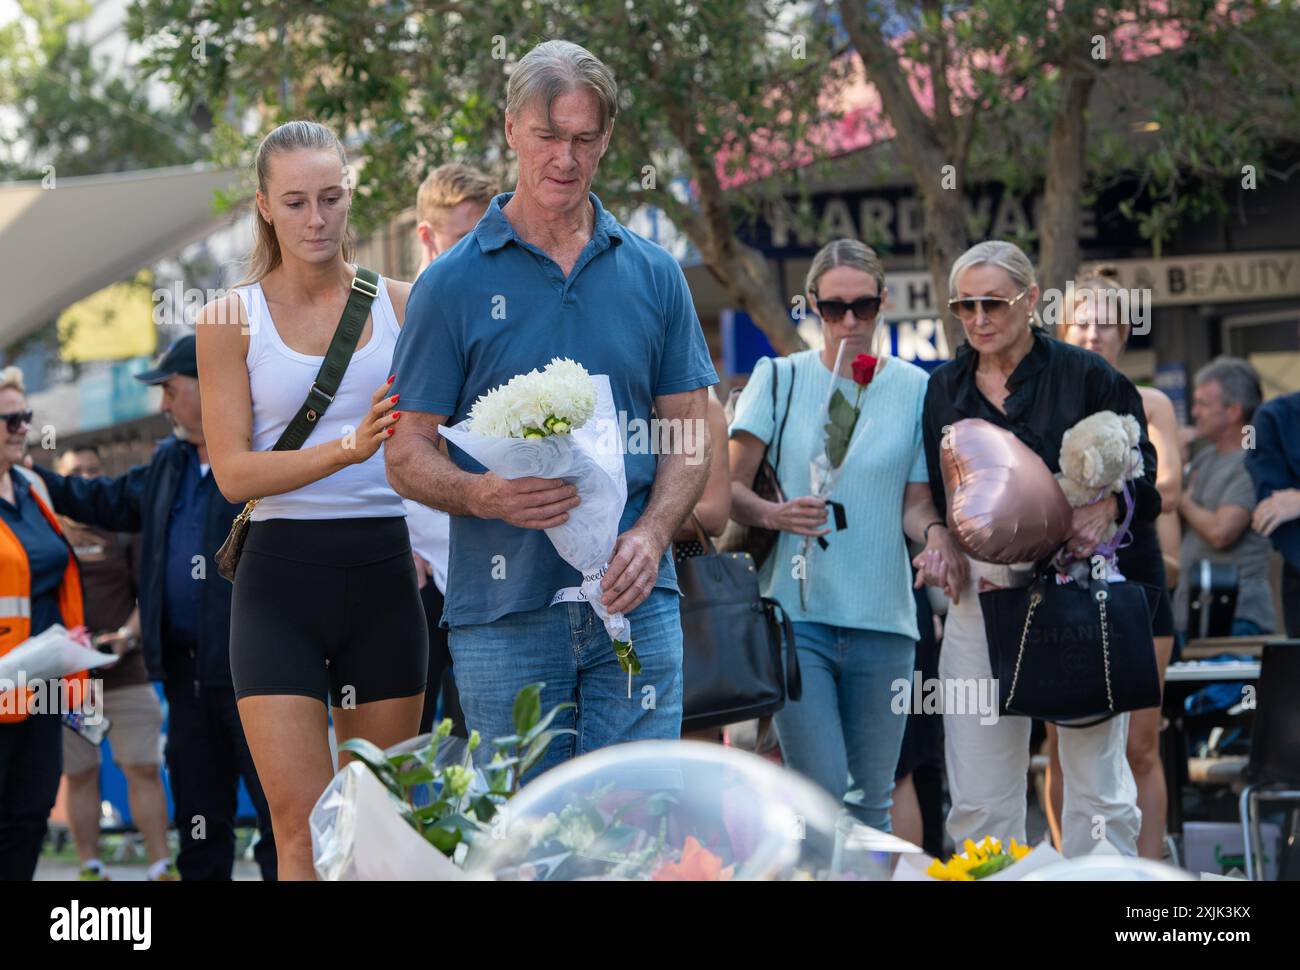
x,y
864,369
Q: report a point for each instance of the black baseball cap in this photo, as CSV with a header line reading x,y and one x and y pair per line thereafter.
x,y
179,358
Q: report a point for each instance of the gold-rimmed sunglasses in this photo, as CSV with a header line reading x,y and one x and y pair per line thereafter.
x,y
965,308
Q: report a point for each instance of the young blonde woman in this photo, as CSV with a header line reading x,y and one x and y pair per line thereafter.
x,y
1090,323
326,607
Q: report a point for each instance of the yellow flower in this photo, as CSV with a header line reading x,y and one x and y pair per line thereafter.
x,y
953,871
977,860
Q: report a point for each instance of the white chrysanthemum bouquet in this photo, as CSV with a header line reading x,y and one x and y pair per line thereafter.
x,y
555,401
560,423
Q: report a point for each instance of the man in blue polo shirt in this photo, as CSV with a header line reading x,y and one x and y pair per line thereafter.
x,y
548,273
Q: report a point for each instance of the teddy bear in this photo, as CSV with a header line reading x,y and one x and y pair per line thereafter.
x,y
1098,455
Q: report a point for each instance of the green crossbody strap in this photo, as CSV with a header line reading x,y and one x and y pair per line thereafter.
x,y
364,290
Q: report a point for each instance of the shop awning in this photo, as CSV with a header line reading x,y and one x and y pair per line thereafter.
x,y
62,242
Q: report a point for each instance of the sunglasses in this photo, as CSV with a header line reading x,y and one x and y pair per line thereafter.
x,y
15,421
995,307
864,308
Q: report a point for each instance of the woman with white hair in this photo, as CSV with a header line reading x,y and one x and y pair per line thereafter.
x,y
1012,374
40,585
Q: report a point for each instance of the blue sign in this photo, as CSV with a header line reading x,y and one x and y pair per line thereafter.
x,y
921,342
742,342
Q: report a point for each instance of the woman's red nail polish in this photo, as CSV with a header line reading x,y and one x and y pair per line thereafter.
x,y
390,430
396,415
395,397
393,378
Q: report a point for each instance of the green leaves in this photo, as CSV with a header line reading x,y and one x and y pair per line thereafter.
x,y
538,747
991,865
627,658
540,727
839,430
532,737
73,110
528,707
457,812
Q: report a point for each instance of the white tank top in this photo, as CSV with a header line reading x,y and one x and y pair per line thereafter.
x,y
279,378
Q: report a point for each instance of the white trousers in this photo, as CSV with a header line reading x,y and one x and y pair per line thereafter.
x,y
988,764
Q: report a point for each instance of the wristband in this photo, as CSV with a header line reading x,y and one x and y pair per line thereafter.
x,y
925,535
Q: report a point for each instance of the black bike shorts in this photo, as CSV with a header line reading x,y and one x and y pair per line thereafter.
x,y
328,608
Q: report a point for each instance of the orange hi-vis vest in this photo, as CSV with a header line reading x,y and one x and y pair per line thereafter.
x,y
16,609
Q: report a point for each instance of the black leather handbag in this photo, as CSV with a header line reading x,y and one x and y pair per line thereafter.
x,y
1072,655
753,539
731,642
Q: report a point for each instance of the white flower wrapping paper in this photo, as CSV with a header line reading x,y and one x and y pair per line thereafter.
x,y
357,834
823,477
50,655
590,457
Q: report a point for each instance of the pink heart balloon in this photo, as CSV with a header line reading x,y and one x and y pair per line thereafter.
x,y
1004,506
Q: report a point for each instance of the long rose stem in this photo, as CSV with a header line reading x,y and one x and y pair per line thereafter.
x,y
830,391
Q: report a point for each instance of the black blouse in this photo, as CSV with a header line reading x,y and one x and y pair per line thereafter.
x,y
1052,389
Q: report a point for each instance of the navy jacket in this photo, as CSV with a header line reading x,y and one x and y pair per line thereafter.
x,y
141,501
1274,464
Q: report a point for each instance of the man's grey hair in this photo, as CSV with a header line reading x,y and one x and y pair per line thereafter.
x,y
1239,381
558,67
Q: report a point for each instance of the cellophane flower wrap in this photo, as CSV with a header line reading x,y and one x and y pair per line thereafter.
x,y
560,423
839,434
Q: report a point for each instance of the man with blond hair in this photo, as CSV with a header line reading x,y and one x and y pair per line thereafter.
x,y
451,200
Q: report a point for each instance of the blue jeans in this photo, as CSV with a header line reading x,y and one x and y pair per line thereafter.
x,y
843,732
565,646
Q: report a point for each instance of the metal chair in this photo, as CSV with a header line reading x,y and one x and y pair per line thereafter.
x,y
1273,772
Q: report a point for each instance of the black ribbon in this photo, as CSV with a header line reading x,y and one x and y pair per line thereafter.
x,y
841,521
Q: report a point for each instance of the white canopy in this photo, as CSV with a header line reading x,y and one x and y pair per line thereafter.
x,y
63,242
